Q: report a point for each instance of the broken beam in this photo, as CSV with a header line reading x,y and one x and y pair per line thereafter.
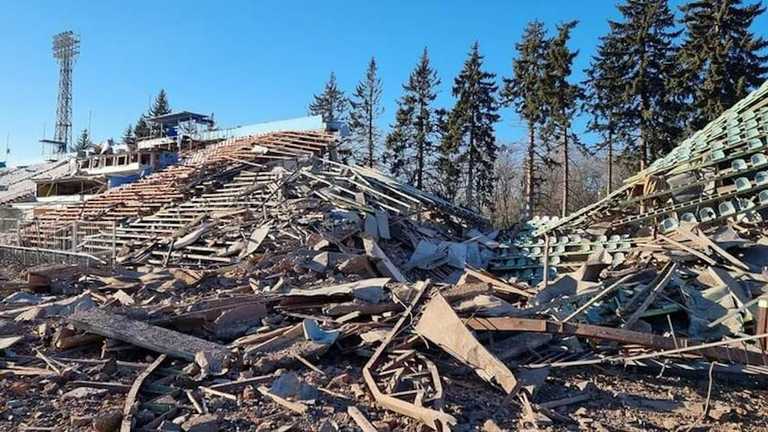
x,y
613,334
144,335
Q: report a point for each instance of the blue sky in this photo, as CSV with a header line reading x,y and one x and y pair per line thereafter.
x,y
252,61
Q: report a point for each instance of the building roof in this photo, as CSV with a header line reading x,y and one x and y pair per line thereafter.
x,y
176,117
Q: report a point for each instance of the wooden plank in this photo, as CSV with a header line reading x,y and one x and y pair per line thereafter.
x,y
496,283
707,242
669,271
360,419
293,406
235,385
254,241
613,334
600,295
761,327
690,250
130,401
385,265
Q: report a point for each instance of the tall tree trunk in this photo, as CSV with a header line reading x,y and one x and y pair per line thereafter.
x,y
566,174
610,160
471,170
529,192
370,138
421,142
643,140
420,165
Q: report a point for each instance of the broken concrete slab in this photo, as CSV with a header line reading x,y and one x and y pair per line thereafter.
x,y
147,336
369,290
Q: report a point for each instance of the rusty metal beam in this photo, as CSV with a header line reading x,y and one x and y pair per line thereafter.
x,y
614,334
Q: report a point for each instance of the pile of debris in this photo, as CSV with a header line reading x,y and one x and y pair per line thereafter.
x,y
334,334
291,204
200,171
297,293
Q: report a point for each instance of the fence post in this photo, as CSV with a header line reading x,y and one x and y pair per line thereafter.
x,y
114,242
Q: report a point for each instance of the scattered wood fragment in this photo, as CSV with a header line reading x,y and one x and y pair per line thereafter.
x,y
234,385
432,418
112,386
308,364
195,403
612,287
649,295
496,283
130,406
585,396
218,393
385,265
296,407
688,249
360,419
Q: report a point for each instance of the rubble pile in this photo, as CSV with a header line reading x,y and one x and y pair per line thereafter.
x,y
200,171
298,293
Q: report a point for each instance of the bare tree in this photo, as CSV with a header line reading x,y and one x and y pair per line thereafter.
x,y
510,185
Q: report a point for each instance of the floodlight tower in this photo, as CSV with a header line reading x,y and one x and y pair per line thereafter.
x,y
66,47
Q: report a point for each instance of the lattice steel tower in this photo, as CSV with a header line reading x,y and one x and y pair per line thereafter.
x,y
66,47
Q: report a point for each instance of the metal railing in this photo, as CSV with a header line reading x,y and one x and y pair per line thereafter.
x,y
93,239
37,256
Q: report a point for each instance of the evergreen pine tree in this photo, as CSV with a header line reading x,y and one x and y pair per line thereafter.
x,y
643,44
523,91
722,60
603,100
448,162
128,135
366,108
141,130
82,144
471,134
331,103
560,97
129,139
160,107
411,143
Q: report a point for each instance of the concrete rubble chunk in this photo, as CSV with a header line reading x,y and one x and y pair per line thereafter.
x,y
289,386
84,393
202,423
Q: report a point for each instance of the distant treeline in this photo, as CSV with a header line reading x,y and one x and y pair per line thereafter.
x,y
652,81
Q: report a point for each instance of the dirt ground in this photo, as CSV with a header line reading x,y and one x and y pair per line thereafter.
x,y
620,400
